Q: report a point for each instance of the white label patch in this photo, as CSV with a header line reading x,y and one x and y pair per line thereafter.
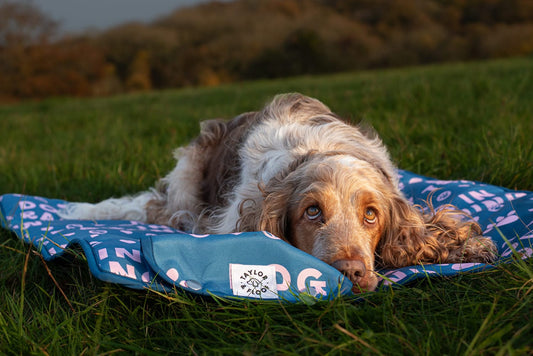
x,y
253,281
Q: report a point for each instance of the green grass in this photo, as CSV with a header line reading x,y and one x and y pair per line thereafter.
x,y
471,121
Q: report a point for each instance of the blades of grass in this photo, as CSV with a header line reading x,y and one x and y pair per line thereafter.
x,y
22,292
54,281
13,249
289,317
4,326
96,335
121,348
174,298
519,258
507,349
357,339
482,329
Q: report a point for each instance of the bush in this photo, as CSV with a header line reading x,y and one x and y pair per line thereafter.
x,y
50,70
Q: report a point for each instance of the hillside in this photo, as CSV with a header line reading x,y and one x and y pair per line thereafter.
x,y
453,121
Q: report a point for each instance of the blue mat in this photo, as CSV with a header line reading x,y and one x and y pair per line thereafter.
x,y
256,264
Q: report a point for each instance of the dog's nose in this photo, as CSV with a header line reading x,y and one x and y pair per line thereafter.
x,y
352,269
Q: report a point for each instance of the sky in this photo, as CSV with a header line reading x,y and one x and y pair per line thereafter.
x,y
80,15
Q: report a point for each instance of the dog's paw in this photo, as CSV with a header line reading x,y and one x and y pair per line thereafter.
x,y
479,249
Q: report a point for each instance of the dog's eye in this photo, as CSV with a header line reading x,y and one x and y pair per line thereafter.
x,y
313,212
370,215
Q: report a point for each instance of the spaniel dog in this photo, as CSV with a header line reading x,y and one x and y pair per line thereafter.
x,y
296,170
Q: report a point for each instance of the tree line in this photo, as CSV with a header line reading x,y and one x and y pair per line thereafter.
x,y
222,42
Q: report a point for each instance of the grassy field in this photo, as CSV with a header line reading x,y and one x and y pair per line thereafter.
x,y
471,121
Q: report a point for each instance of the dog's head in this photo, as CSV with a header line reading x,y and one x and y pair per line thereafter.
x,y
333,208
348,213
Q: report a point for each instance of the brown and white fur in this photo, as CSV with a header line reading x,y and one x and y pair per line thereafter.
x,y
296,170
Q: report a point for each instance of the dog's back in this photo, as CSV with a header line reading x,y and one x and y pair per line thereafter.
x,y
223,168
222,140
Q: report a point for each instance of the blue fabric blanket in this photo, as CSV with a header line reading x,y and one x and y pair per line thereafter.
x,y
257,264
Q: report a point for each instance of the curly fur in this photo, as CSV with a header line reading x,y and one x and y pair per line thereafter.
x,y
298,171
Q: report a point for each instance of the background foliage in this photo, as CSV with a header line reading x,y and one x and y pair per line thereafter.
x,y
222,42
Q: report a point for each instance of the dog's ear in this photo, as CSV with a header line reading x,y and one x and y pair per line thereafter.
x,y
444,236
274,212
404,236
269,214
